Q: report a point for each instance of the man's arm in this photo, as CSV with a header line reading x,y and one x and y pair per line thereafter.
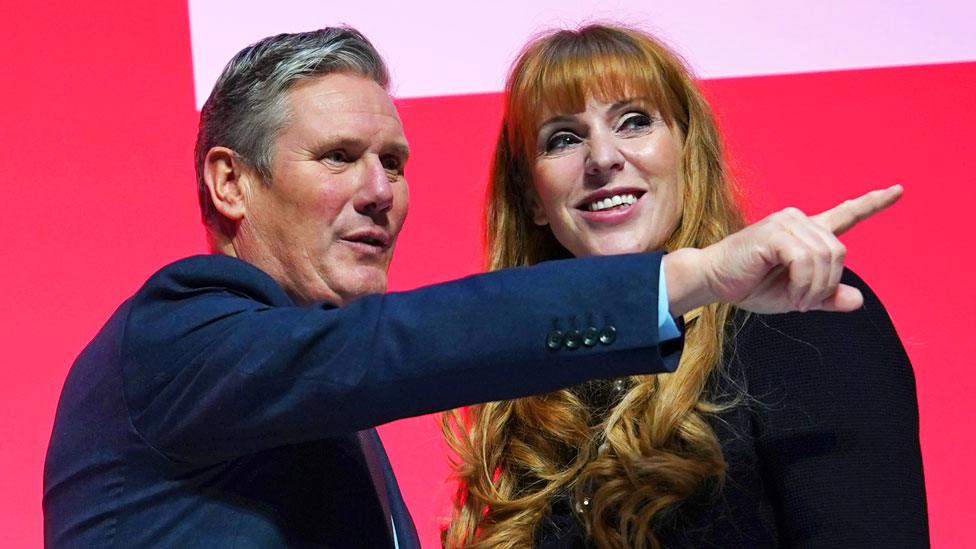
x,y
217,364
785,262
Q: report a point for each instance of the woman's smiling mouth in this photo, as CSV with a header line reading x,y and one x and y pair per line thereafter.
x,y
611,202
610,205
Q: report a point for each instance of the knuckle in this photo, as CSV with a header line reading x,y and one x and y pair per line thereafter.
x,y
777,218
793,212
803,255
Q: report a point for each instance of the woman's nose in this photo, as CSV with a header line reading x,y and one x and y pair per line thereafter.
x,y
604,154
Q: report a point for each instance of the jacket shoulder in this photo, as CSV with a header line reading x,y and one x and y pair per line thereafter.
x,y
200,275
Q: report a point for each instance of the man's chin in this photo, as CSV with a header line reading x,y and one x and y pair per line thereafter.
x,y
362,281
339,282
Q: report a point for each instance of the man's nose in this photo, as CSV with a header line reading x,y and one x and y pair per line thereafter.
x,y
376,193
603,154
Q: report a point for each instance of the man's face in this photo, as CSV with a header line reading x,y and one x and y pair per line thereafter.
x,y
326,225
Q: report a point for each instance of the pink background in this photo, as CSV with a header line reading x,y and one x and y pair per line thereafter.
x,y
98,117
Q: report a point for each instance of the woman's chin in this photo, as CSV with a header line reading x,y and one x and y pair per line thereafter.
x,y
615,247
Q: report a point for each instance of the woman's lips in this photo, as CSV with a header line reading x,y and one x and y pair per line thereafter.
x,y
615,214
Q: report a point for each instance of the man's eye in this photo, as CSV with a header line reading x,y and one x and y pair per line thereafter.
x,y
392,164
635,121
336,157
560,141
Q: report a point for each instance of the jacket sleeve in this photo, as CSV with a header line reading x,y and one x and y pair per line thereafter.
x,y
837,427
217,363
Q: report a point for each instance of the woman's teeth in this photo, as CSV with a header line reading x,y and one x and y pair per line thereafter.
x,y
612,202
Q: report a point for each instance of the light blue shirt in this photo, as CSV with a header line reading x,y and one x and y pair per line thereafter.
x,y
666,328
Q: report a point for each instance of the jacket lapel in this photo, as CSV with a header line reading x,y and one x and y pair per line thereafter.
x,y
388,491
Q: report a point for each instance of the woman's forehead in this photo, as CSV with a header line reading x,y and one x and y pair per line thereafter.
x,y
556,104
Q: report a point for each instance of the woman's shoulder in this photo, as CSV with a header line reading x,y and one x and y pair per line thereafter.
x,y
821,364
813,333
832,407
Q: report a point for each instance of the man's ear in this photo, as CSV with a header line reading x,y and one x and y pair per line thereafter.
x,y
228,181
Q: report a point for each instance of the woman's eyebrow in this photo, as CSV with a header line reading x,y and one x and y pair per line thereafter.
x,y
626,102
561,119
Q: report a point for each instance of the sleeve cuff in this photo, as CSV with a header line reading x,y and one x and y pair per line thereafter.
x,y
667,329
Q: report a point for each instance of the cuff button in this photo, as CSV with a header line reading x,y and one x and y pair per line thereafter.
x,y
590,336
608,335
554,340
573,340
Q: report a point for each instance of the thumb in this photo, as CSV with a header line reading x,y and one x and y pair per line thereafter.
x,y
844,300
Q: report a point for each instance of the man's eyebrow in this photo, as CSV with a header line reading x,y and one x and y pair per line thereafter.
x,y
338,142
399,149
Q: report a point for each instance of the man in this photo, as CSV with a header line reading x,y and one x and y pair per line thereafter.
x,y
230,402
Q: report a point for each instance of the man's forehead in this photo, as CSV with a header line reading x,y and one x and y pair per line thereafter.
x,y
341,93
349,103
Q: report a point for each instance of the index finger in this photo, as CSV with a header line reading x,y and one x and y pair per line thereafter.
x,y
848,213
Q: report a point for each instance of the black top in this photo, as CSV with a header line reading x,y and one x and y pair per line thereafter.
x,y
823,452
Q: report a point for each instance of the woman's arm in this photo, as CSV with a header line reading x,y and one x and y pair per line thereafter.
x,y
838,426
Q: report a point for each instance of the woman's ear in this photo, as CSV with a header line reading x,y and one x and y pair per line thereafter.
x,y
539,216
227,180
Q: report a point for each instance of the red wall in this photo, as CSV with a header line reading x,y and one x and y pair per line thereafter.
x,y
97,192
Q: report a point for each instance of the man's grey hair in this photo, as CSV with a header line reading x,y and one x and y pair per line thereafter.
x,y
247,107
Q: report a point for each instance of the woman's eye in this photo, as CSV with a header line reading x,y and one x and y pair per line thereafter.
x,y
560,141
635,121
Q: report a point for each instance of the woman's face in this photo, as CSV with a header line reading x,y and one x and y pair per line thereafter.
x,y
606,179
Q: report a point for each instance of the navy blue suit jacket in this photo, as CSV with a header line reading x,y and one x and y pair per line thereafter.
x,y
211,411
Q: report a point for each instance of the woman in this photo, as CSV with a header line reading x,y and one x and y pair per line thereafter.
x,y
796,429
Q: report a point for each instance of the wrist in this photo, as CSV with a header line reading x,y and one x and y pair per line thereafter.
x,y
687,284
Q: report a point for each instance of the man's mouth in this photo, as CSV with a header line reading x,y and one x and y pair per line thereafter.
x,y
610,200
371,239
